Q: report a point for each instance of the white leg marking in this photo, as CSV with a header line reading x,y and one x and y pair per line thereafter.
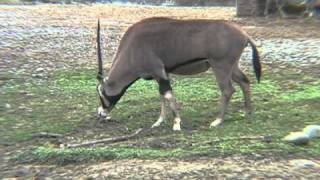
x,y
162,113
216,123
168,95
176,125
158,122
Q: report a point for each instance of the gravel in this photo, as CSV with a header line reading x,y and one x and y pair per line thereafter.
x,y
33,48
294,51
43,49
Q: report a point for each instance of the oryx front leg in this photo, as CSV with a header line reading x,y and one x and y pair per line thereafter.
x,y
162,113
166,90
175,109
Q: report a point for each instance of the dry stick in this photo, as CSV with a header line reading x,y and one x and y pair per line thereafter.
x,y
139,131
263,138
108,140
47,135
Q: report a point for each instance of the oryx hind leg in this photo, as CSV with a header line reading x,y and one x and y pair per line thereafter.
x,y
223,71
240,78
166,91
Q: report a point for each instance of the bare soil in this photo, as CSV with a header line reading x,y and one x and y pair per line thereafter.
x,y
232,167
123,16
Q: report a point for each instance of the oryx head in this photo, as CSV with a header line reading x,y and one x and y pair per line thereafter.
x,y
106,101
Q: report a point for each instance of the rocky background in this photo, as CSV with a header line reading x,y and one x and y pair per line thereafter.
x,y
145,2
64,35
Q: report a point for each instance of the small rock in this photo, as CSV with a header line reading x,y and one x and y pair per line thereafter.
x,y
304,163
297,138
38,75
38,70
312,131
8,106
22,171
156,177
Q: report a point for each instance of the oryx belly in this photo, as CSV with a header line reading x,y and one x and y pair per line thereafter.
x,y
191,68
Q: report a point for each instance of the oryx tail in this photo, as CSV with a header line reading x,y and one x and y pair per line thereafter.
x,y
255,59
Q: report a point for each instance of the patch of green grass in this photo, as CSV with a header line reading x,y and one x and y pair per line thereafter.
x,y
67,103
60,105
301,93
66,156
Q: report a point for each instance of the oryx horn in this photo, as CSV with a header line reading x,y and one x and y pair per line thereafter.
x,y
100,66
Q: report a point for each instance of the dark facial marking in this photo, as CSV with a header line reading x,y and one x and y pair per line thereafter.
x,y
114,99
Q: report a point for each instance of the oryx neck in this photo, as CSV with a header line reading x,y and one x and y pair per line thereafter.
x,y
119,79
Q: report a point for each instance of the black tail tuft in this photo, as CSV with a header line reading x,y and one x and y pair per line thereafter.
x,y
256,61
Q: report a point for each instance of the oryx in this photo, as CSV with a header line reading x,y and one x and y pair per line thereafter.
x,y
155,47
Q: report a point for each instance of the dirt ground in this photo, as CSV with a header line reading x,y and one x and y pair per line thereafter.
x,y
123,16
232,167
116,19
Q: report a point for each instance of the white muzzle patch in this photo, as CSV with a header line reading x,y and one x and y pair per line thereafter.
x,y
103,114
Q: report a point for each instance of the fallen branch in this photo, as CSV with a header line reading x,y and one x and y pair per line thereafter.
x,y
108,140
47,135
267,139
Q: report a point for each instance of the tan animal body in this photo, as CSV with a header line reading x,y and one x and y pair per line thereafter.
x,y
156,47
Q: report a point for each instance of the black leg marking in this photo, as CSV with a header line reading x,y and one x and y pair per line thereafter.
x,y
164,86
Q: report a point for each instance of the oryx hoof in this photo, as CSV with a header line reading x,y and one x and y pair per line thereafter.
x,y
176,127
246,113
104,119
157,123
216,123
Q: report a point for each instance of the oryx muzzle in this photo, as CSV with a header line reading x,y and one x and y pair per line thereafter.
x,y
155,47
